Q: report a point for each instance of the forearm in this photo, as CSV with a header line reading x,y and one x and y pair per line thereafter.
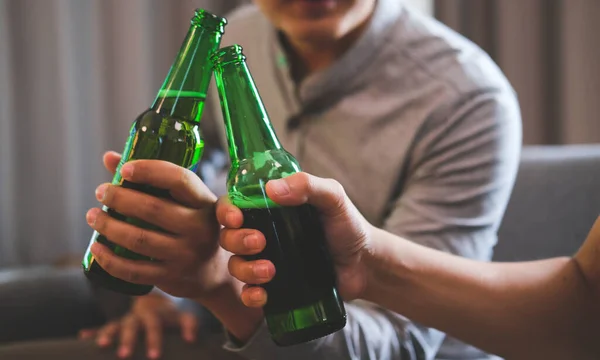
x,y
509,309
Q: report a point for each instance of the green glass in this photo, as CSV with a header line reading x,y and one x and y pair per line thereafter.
x,y
167,131
303,303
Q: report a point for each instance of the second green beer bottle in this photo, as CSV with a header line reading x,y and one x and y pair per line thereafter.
x,y
303,303
167,131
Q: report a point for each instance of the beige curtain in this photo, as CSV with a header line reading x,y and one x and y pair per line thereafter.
x,y
550,51
73,76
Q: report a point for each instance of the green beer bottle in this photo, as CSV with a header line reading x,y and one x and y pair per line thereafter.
x,y
303,303
167,131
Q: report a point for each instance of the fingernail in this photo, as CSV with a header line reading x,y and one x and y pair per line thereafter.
x,y
91,216
230,217
280,187
103,341
256,296
261,270
153,354
100,191
127,171
123,352
251,242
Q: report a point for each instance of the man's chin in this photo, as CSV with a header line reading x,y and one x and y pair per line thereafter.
x,y
311,34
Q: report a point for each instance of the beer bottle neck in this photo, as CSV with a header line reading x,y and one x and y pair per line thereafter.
x,y
248,127
184,90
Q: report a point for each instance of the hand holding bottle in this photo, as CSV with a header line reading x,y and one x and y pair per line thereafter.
x,y
559,295
167,131
189,260
346,230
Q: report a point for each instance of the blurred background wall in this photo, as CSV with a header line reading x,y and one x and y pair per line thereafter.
x,y
550,51
75,73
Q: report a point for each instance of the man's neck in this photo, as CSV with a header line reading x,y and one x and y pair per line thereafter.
x,y
308,58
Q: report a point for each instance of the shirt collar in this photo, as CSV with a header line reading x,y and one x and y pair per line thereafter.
x,y
340,77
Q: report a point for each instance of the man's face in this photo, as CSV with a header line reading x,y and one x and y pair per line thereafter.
x,y
316,20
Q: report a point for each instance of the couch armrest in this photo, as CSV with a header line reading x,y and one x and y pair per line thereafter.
x,y
46,302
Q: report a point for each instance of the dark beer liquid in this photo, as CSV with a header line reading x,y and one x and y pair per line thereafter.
x,y
153,135
302,301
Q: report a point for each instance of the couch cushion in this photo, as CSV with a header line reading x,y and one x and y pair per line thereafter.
x,y
554,203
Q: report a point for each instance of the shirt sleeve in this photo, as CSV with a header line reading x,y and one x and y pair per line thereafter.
x,y
457,185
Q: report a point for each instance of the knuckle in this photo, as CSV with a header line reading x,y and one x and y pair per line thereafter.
x,y
107,264
336,187
139,170
194,220
132,276
305,180
337,193
100,224
111,195
130,320
302,184
184,176
153,207
139,240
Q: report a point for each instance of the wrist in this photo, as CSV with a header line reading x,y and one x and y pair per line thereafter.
x,y
226,305
386,263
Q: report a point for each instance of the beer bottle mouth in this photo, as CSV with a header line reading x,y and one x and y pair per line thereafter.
x,y
227,55
209,21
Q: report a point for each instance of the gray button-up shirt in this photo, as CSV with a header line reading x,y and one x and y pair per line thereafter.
x,y
423,131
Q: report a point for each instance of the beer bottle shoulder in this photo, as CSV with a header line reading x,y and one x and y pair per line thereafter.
x,y
152,122
248,177
164,137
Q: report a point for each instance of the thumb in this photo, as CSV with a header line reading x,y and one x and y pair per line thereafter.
x,y
327,195
111,161
189,326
